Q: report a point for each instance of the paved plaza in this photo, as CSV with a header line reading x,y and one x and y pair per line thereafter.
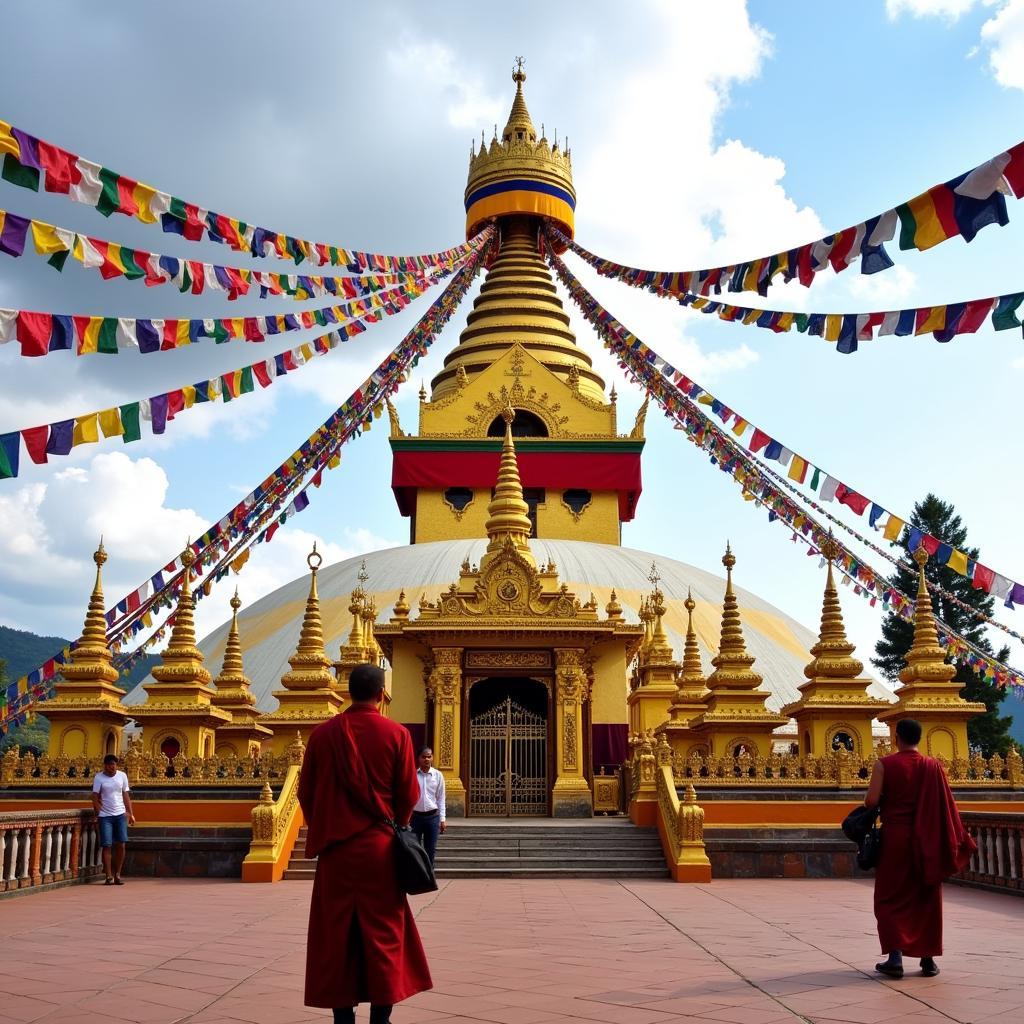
x,y
510,952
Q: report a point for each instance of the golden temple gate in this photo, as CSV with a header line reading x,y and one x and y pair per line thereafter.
x,y
508,761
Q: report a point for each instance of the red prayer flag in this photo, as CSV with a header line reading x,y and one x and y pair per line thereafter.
x,y
851,499
126,196
260,373
838,257
975,314
942,198
758,440
170,337
60,167
983,577
175,403
930,543
34,333
35,439
192,229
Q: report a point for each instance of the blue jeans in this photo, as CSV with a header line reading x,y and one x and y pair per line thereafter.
x,y
427,827
113,829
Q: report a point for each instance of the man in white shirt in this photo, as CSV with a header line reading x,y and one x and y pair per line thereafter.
x,y
428,816
113,807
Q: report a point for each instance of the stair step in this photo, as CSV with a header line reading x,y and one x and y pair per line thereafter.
x,y
534,848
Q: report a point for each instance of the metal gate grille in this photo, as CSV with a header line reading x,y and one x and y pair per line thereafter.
x,y
508,766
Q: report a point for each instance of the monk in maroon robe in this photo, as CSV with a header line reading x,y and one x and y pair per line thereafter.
x,y
923,842
363,944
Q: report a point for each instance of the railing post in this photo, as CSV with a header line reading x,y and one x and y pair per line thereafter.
x,y
24,878
12,864
76,841
37,849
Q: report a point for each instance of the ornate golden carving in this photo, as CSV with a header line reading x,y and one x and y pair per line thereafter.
x,y
508,659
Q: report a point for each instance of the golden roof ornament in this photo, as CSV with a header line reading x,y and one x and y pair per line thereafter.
x,y
613,609
732,663
182,659
401,608
310,664
692,672
508,514
832,653
926,659
91,660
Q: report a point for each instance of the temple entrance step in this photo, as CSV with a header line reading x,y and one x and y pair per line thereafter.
x,y
535,848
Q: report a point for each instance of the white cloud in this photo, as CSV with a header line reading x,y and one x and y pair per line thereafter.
x,y
951,9
434,67
1003,34
1018,363
891,289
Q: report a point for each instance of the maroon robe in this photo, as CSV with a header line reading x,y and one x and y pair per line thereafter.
x,y
923,842
363,944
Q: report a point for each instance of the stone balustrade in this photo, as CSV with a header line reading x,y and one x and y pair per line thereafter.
x,y
42,847
143,769
999,860
834,770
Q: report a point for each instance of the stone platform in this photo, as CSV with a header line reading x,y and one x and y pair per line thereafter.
x,y
744,951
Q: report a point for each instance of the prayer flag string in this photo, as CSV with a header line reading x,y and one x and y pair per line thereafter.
x,y
30,162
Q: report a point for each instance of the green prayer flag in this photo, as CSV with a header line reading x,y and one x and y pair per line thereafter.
x,y
109,201
801,320
246,385
220,332
816,479
18,174
225,391
58,259
186,278
1005,315
130,422
131,268
908,226
107,341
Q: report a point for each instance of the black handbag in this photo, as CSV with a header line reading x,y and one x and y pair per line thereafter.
x,y
412,863
861,827
415,872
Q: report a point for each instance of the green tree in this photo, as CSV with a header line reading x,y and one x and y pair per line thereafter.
x,y
988,732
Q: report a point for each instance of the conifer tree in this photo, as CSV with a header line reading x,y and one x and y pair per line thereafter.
x,y
987,732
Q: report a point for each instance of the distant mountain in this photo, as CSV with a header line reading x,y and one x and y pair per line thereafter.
x,y
25,651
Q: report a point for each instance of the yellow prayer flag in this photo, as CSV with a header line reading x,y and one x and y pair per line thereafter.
x,y
958,562
929,229
147,620
90,336
706,399
752,315
189,394
334,461
797,469
785,322
240,561
699,303
833,325
143,196
110,422
46,239
181,335
739,426
237,327
8,143
306,351
934,321
893,528
86,430
114,255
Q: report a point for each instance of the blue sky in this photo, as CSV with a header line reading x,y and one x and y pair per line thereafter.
x,y
700,134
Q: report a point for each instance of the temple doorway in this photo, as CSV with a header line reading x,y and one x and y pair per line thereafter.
x,y
508,748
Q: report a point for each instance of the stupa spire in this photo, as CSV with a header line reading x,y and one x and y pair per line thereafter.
x,y
310,664
926,659
232,674
832,653
91,658
693,672
182,659
520,124
732,663
508,514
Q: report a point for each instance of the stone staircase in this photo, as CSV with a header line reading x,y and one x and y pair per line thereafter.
x,y
535,848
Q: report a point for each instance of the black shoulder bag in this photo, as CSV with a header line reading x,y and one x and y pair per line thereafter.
x,y
861,827
415,872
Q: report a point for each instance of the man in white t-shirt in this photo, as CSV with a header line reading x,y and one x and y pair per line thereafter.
x,y
113,806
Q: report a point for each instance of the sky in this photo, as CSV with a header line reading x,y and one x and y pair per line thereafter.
x,y
701,134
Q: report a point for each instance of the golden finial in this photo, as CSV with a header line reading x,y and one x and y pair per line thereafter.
x,y
235,602
362,575
692,672
832,653
100,555
830,548
613,609
518,74
91,658
689,604
401,608
232,683
423,392
314,559
732,663
188,557
653,576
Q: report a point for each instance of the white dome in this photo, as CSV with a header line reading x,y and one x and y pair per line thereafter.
x,y
269,628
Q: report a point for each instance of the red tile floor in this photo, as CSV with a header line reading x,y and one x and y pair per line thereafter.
x,y
509,952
